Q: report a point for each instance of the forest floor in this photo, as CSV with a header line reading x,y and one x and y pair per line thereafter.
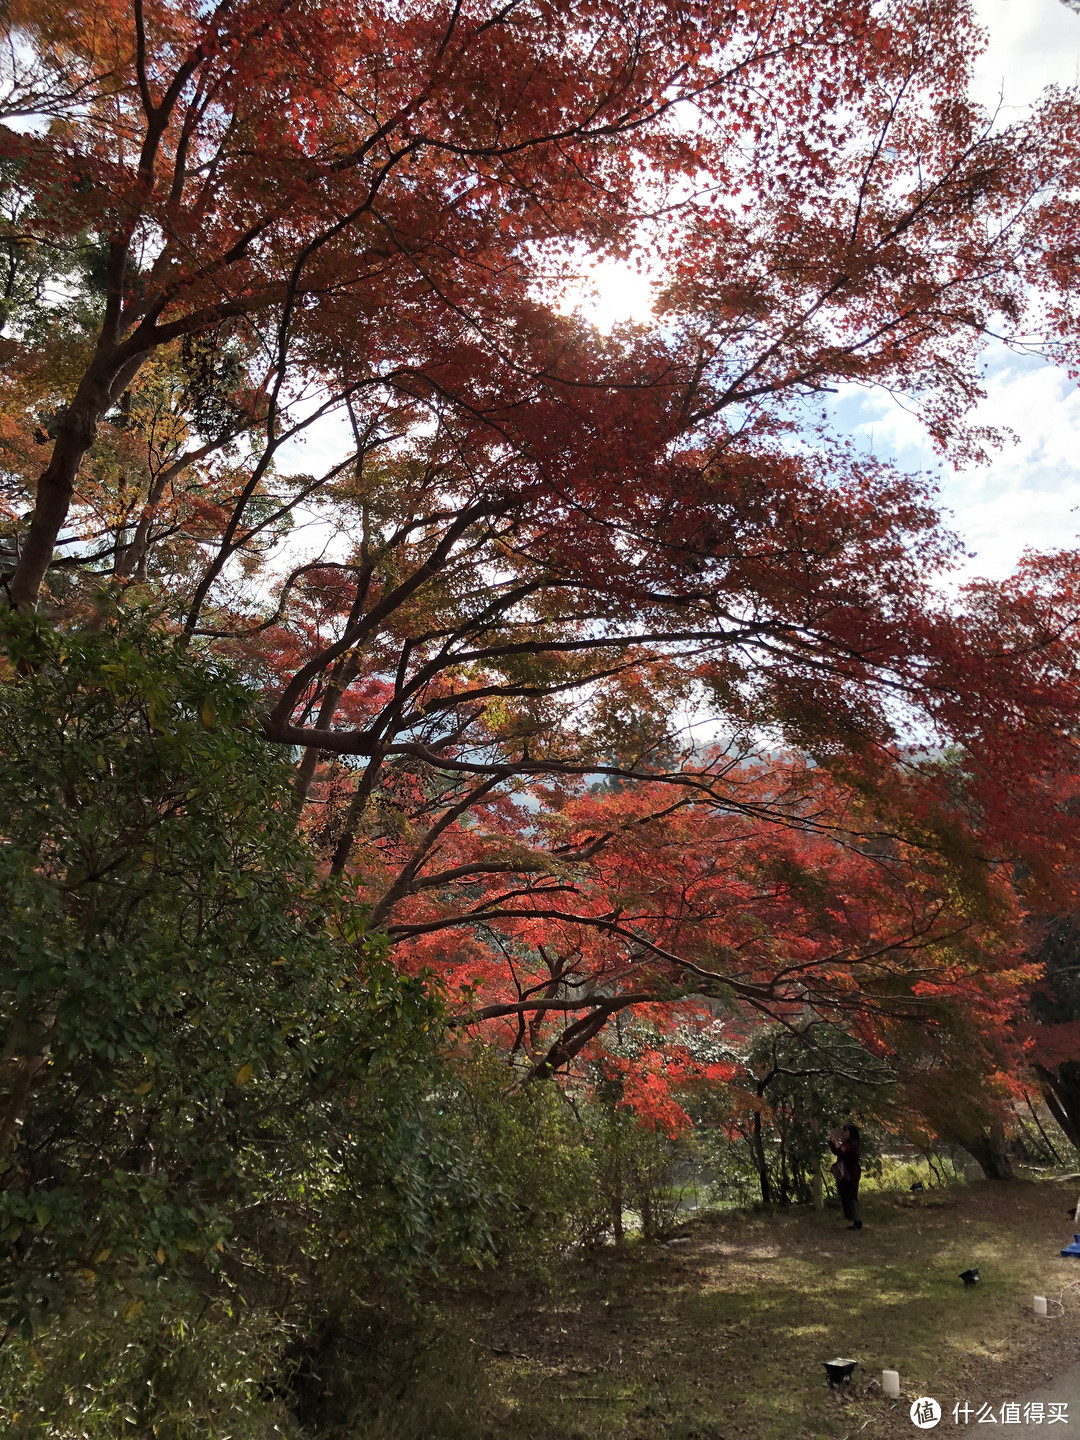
x,y
722,1336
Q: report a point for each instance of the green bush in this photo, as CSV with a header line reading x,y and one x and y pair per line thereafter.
x,y
172,1367
216,1095
537,1157
565,1169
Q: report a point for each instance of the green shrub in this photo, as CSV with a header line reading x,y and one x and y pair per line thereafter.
x,y
216,1095
174,1366
537,1158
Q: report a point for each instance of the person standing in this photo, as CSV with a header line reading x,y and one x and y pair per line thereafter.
x,y
847,1170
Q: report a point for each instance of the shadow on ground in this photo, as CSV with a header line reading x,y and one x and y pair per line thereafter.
x,y
723,1336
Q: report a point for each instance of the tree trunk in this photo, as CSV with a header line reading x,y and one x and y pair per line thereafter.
x,y
989,1150
817,1189
357,805
1051,1148
131,559
648,1229
342,676
757,1148
616,1188
1062,1100
76,429
105,378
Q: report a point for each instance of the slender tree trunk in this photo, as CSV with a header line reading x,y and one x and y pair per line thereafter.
x,y
757,1148
344,673
617,1188
648,1229
1066,1121
817,1190
131,560
1061,1115
105,378
1050,1146
357,806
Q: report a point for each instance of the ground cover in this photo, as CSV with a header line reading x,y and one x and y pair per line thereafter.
x,y
723,1335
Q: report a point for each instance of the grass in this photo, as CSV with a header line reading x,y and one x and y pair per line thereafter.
x,y
724,1335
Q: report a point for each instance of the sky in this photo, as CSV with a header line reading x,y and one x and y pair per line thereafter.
x,y
1028,496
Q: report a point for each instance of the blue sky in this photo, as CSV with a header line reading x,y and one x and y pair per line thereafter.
x,y
1029,494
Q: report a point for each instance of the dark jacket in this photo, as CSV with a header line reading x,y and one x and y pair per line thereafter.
x,y
848,1153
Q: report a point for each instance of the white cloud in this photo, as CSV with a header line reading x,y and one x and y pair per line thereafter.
x,y
1028,495
1032,43
320,447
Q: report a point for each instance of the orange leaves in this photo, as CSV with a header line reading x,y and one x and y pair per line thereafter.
x,y
648,1094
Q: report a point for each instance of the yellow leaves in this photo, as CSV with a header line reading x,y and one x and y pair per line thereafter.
x,y
209,718
87,1275
498,715
134,1309
160,1253
144,1088
102,1256
244,1074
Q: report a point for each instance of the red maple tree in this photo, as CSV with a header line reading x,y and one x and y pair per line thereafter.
x,y
555,556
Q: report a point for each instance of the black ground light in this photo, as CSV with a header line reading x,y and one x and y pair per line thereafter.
x,y
839,1371
970,1277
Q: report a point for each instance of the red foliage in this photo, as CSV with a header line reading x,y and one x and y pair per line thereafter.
x,y
547,544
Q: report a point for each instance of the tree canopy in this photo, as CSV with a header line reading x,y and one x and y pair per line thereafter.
x,y
614,679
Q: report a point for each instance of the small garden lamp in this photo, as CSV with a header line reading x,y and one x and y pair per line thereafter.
x,y
839,1371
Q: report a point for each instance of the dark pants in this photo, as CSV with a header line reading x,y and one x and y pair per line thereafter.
x,y
849,1199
